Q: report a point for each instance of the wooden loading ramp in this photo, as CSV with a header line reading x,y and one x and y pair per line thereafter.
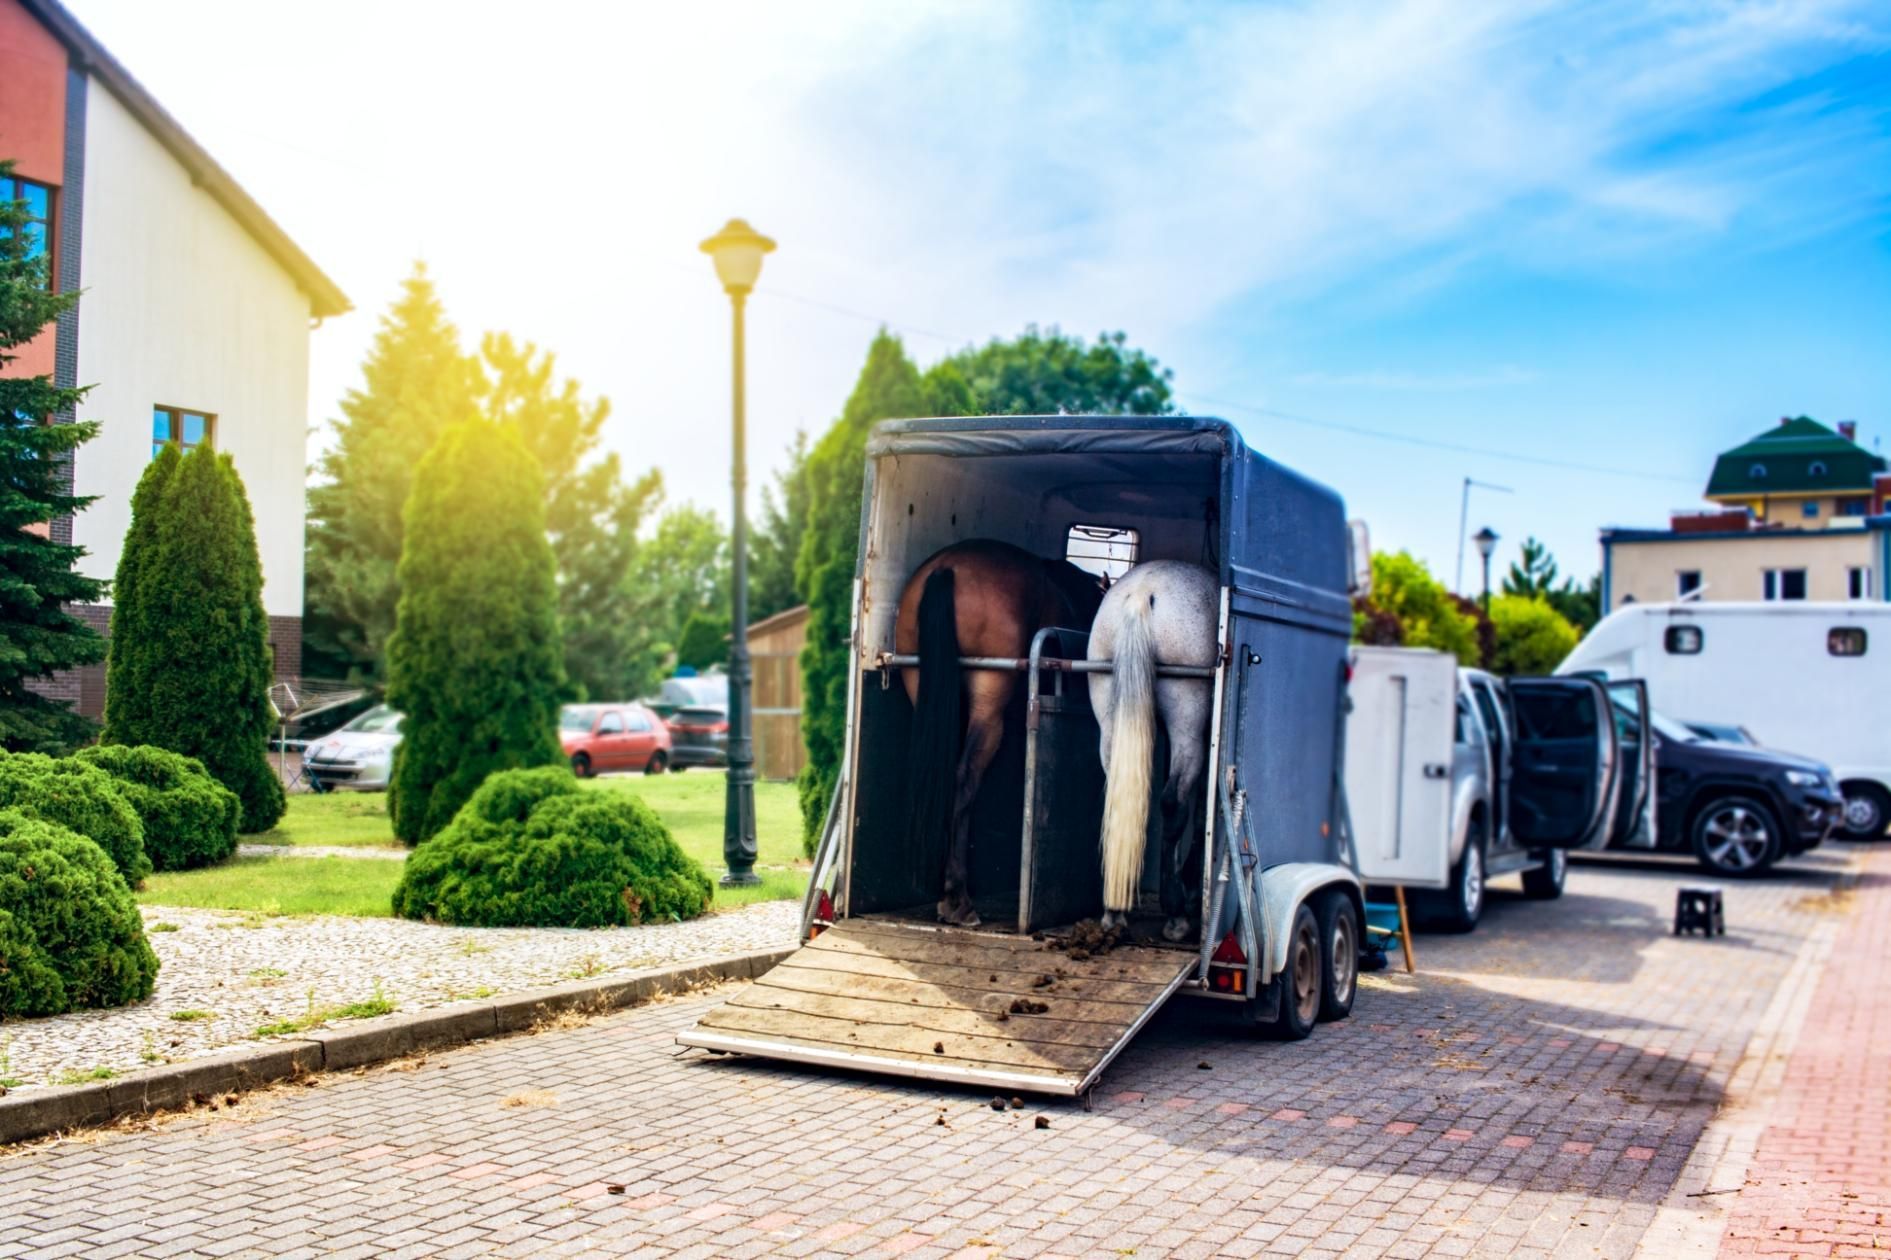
x,y
947,1004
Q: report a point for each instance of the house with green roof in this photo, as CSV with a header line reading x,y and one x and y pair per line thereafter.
x,y
1800,514
1800,475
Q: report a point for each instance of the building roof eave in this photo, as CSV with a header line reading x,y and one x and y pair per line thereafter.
x,y
325,296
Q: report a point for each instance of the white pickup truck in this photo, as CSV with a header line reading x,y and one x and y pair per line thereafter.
x,y
1456,777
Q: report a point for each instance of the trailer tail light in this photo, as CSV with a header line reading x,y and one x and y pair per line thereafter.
x,y
823,915
1227,966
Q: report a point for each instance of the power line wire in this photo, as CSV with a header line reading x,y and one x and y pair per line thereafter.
x,y
1438,444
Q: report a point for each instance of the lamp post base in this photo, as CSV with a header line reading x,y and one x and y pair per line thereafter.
x,y
740,879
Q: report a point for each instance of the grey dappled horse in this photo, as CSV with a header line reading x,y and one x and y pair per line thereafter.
x,y
1162,612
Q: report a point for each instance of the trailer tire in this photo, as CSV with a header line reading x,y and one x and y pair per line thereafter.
x,y
1299,980
1339,947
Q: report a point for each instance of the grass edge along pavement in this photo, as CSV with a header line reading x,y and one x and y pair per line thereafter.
x,y
38,1112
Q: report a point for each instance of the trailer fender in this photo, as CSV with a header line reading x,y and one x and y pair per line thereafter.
x,y
1284,887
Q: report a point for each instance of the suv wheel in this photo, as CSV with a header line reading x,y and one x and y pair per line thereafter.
x,y
1462,904
1735,835
1545,883
1867,809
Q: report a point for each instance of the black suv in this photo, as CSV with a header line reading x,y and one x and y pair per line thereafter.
x,y
1736,807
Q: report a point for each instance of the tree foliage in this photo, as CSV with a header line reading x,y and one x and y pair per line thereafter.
x,y
776,541
1409,607
70,934
1043,373
593,517
475,662
190,664
189,819
81,798
1533,576
704,641
1532,637
38,575
531,848
416,381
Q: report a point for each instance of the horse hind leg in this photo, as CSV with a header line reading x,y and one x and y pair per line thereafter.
x,y
1180,794
984,732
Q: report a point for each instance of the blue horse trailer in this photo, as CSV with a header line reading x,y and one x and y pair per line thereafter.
x,y
1030,999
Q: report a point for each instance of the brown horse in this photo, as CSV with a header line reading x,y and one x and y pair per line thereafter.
x,y
975,598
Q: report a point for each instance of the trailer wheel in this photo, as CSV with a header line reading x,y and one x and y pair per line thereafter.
x,y
1299,981
1867,809
1339,966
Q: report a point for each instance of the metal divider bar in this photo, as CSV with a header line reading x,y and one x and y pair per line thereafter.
x,y
1019,664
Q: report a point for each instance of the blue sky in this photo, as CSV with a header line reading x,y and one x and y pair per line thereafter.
x,y
1616,235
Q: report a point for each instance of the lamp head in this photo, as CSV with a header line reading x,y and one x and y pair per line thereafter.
x,y
737,250
1486,540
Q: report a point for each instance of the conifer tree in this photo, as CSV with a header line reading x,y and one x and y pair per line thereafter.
x,y
475,661
191,664
38,576
416,382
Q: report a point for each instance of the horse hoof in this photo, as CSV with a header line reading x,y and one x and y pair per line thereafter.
x,y
1175,931
958,914
1114,919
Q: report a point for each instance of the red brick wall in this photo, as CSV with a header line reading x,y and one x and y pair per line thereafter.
x,y
32,131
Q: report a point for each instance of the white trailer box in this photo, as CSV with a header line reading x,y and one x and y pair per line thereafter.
x,y
1398,764
1806,678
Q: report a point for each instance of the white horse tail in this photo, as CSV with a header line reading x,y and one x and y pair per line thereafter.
x,y
1132,750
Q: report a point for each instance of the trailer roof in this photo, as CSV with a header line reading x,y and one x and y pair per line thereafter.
x,y
1017,435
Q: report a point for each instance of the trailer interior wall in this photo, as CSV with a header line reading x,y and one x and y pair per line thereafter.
x,y
922,502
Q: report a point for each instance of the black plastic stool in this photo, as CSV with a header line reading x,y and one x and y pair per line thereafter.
x,y
1699,908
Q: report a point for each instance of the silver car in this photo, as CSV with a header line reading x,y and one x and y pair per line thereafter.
x,y
359,756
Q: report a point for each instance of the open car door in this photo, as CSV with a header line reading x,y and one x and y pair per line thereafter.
x,y
1564,781
1634,822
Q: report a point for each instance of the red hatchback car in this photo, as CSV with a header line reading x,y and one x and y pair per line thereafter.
x,y
601,737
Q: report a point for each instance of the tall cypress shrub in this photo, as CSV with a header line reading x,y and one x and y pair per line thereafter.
x,y
191,664
476,661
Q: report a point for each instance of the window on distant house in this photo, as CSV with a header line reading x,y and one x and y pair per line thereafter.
x,y
1816,468
1780,584
188,429
1858,582
1854,505
39,209
1104,550
1809,508
1686,582
1845,641
1757,472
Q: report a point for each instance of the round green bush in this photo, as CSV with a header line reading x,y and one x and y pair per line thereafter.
x,y
531,848
80,797
70,935
189,818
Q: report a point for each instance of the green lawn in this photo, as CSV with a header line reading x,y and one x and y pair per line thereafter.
x,y
691,803
357,887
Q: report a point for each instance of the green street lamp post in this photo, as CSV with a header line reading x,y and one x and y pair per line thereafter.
x,y
737,250
1486,540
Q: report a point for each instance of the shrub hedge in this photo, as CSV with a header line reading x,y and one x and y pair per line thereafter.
x,y
189,818
533,849
70,935
81,797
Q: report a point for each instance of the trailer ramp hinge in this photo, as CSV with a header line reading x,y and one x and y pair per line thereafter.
x,y
886,675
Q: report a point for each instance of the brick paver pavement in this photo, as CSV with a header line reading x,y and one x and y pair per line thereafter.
x,y
1820,1181
1534,1091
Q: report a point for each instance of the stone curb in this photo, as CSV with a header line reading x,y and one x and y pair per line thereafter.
x,y
39,1111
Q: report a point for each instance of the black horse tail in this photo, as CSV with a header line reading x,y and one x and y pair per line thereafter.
x,y
933,755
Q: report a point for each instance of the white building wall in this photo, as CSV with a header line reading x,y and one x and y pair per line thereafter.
x,y
182,308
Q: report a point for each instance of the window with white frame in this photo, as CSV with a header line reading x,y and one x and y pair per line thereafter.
x,y
1858,582
1106,550
1686,582
1781,584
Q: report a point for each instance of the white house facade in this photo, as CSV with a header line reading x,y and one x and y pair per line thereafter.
x,y
196,310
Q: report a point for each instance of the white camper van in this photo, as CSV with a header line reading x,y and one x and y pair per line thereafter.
x,y
1806,678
